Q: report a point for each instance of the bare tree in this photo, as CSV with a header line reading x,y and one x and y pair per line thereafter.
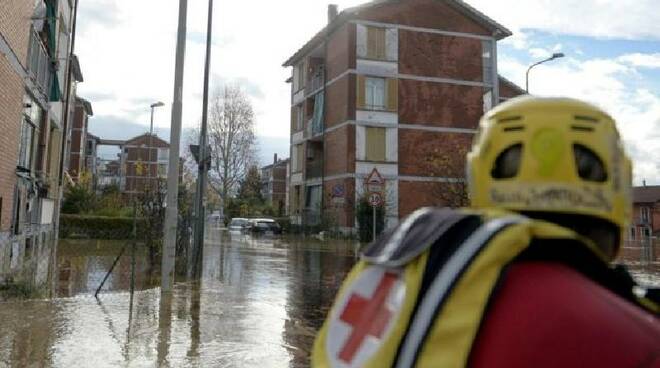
x,y
449,163
232,139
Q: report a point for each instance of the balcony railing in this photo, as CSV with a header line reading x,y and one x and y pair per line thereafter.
x,y
39,63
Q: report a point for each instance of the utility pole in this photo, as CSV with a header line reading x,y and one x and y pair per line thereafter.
x,y
171,212
198,248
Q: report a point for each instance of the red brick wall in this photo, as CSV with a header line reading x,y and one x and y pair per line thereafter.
x,y
433,55
340,151
440,104
341,51
11,97
425,14
15,25
342,213
423,153
340,101
413,195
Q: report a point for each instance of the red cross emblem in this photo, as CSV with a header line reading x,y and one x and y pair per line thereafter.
x,y
369,308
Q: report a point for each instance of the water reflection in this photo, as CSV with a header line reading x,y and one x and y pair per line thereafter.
x,y
259,304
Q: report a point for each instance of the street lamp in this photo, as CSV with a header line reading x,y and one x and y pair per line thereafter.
x,y
151,135
554,56
153,106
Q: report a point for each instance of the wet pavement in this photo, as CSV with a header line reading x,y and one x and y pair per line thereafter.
x,y
259,304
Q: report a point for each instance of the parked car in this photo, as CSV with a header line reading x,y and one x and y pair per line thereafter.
x,y
264,226
216,218
238,225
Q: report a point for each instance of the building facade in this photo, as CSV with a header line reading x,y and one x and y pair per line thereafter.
x,y
646,213
34,49
396,86
143,163
274,184
82,111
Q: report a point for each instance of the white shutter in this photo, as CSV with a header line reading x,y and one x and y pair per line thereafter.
x,y
361,41
392,44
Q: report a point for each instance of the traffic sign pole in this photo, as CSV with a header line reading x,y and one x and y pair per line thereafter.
x,y
373,238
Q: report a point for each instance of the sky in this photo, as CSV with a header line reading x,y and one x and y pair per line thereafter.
x,y
126,49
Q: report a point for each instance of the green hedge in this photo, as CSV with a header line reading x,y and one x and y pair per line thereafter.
x,y
97,227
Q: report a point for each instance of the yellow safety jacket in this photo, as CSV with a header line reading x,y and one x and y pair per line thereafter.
x,y
418,294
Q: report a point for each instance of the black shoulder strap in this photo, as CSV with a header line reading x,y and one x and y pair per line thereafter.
x,y
414,235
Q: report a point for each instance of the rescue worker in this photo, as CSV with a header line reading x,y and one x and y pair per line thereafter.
x,y
523,279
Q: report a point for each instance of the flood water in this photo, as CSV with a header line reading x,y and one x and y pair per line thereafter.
x,y
259,304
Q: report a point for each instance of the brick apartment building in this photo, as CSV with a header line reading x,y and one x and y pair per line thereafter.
x,y
646,213
143,160
82,111
387,85
274,184
34,48
92,161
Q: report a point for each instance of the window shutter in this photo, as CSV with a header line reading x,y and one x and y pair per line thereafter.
x,y
375,144
392,94
376,43
360,92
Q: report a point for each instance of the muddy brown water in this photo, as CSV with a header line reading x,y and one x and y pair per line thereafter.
x,y
259,304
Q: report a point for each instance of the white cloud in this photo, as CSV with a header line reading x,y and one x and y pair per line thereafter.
x,y
539,53
641,60
620,19
127,47
603,82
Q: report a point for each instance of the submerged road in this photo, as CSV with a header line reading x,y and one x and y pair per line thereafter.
x,y
259,304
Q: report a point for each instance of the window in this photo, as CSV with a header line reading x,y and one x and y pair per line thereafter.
x,y
299,77
375,145
297,118
25,148
377,93
645,215
487,61
163,154
298,156
296,199
631,233
162,170
646,233
376,48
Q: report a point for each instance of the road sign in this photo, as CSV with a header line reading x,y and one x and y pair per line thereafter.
x,y
375,199
374,182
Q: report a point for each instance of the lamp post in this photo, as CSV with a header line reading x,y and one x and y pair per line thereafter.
x,y
151,135
554,56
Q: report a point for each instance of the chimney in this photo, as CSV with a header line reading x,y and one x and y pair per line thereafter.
x,y
333,11
275,158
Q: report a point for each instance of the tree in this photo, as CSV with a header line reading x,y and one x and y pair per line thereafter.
x,y
231,138
250,188
449,162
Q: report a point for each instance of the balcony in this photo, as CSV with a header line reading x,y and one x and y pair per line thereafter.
x,y
314,84
314,169
39,66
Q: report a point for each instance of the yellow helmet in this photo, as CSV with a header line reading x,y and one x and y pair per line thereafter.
x,y
555,155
